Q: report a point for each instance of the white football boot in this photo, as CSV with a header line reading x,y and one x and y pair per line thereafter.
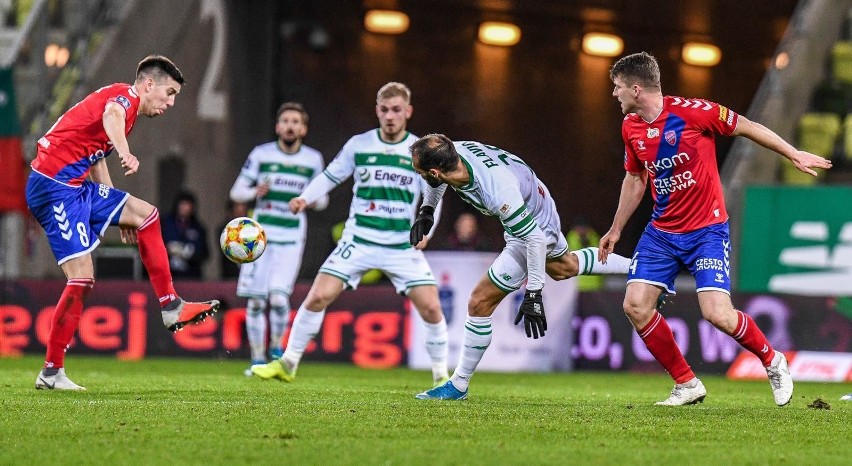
x,y
685,394
58,381
780,379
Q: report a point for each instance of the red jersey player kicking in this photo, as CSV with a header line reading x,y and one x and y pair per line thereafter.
x,y
75,211
670,140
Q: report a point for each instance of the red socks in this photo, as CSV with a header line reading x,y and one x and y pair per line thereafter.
x,y
153,253
660,341
66,315
751,338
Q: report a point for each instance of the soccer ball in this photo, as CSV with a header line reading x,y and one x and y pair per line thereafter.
x,y
243,240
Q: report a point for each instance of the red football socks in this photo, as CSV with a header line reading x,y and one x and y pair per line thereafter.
x,y
751,338
660,341
66,316
153,253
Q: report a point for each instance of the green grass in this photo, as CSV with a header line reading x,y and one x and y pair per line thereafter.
x,y
182,411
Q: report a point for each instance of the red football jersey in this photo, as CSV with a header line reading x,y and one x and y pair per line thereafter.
x,y
78,140
678,150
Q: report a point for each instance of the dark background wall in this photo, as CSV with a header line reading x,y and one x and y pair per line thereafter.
x,y
542,99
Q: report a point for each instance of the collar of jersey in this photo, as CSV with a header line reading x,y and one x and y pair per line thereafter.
x,y
379,135
469,185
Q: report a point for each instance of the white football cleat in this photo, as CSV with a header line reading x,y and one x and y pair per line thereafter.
x,y
58,381
780,379
685,394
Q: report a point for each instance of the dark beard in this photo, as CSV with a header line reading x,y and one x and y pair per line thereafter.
x,y
434,182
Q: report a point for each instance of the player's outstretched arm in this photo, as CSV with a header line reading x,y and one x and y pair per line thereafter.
x,y
632,190
803,161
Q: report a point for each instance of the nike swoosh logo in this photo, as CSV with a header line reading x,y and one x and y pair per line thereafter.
x,y
44,382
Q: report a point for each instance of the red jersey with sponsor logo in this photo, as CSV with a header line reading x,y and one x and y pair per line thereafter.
x,y
78,140
678,150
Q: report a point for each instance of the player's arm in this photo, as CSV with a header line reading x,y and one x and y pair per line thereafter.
x,y
632,190
424,224
520,223
803,161
114,126
99,173
337,172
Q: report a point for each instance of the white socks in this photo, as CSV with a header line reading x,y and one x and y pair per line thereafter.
x,y
589,264
477,338
277,324
256,329
305,327
436,346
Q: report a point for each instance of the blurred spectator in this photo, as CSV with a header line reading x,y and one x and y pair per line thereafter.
x,y
227,269
466,235
185,238
582,235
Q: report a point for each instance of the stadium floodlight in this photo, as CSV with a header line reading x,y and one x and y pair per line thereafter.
x,y
499,33
701,54
386,21
602,45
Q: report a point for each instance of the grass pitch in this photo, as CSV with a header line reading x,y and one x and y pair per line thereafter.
x,y
190,411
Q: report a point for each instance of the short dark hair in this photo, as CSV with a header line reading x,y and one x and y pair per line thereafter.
x,y
639,68
294,106
157,67
435,151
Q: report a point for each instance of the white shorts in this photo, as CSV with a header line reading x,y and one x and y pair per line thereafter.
x,y
406,268
274,272
509,270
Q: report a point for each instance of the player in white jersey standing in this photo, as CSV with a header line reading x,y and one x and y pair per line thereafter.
x,y
384,203
500,184
273,174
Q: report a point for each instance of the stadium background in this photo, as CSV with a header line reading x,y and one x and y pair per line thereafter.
x,y
543,99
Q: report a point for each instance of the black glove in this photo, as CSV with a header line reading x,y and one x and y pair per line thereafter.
x,y
532,310
422,225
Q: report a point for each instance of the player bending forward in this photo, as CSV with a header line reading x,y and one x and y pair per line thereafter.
x,y
500,184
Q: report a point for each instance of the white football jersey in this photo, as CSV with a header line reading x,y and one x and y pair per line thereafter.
x,y
287,175
387,190
503,186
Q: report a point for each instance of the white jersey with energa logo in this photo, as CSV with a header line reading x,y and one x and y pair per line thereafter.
x,y
387,190
287,175
503,186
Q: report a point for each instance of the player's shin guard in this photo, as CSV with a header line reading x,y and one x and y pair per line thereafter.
x,y
436,346
751,338
66,316
477,338
590,265
154,257
660,342
306,325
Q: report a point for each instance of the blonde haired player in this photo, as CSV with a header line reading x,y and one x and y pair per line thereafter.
x,y
385,198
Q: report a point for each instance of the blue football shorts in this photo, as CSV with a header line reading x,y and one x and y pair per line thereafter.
x,y
73,217
705,252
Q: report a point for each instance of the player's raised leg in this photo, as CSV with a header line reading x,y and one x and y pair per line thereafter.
x,y
140,222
